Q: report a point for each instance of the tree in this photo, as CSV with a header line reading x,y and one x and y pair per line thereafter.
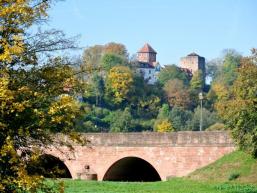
x,y
92,58
119,82
148,107
216,127
99,89
209,118
34,109
107,56
225,69
180,118
93,120
219,91
196,86
213,67
164,112
33,102
117,49
230,66
163,125
172,72
223,78
240,110
110,60
93,90
120,121
145,100
176,93
197,81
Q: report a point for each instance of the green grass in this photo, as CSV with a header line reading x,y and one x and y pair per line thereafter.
x,y
237,166
177,185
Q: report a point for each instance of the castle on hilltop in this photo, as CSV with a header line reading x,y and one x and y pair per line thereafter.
x,y
192,63
149,68
147,65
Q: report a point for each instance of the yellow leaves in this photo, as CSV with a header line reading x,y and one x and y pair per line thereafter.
x,y
1,187
120,81
8,102
14,14
11,48
64,110
7,148
6,95
20,10
19,107
10,158
150,104
25,94
15,17
25,180
4,91
18,46
220,90
163,125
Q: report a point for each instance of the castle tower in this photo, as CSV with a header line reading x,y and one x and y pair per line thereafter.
x,y
193,62
147,55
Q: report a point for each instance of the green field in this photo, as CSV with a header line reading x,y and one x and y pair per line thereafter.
x,y
233,173
178,185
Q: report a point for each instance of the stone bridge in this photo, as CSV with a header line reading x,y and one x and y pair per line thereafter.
x,y
145,156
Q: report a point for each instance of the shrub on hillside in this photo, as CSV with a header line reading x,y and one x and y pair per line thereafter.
x,y
233,176
216,127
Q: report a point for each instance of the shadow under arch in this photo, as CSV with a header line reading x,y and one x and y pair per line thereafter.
x,y
48,166
132,169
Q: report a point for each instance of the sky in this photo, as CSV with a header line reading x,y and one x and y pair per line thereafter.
x,y
174,28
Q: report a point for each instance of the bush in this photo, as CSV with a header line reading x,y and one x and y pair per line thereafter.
x,y
163,125
209,118
233,176
216,127
180,118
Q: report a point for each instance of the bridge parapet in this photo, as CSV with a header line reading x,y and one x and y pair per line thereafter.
x,y
184,139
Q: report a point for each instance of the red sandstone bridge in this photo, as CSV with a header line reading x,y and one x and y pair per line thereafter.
x,y
142,156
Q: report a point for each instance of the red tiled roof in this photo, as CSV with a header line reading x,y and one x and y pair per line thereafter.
x,y
147,49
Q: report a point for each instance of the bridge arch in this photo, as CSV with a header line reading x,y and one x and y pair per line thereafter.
x,y
131,169
49,166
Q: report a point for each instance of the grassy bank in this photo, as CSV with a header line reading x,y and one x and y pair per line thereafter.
x,y
237,167
178,185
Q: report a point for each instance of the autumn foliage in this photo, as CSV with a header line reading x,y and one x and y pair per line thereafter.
x,y
33,103
119,82
239,108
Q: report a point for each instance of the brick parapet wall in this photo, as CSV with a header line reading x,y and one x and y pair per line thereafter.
x,y
145,139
